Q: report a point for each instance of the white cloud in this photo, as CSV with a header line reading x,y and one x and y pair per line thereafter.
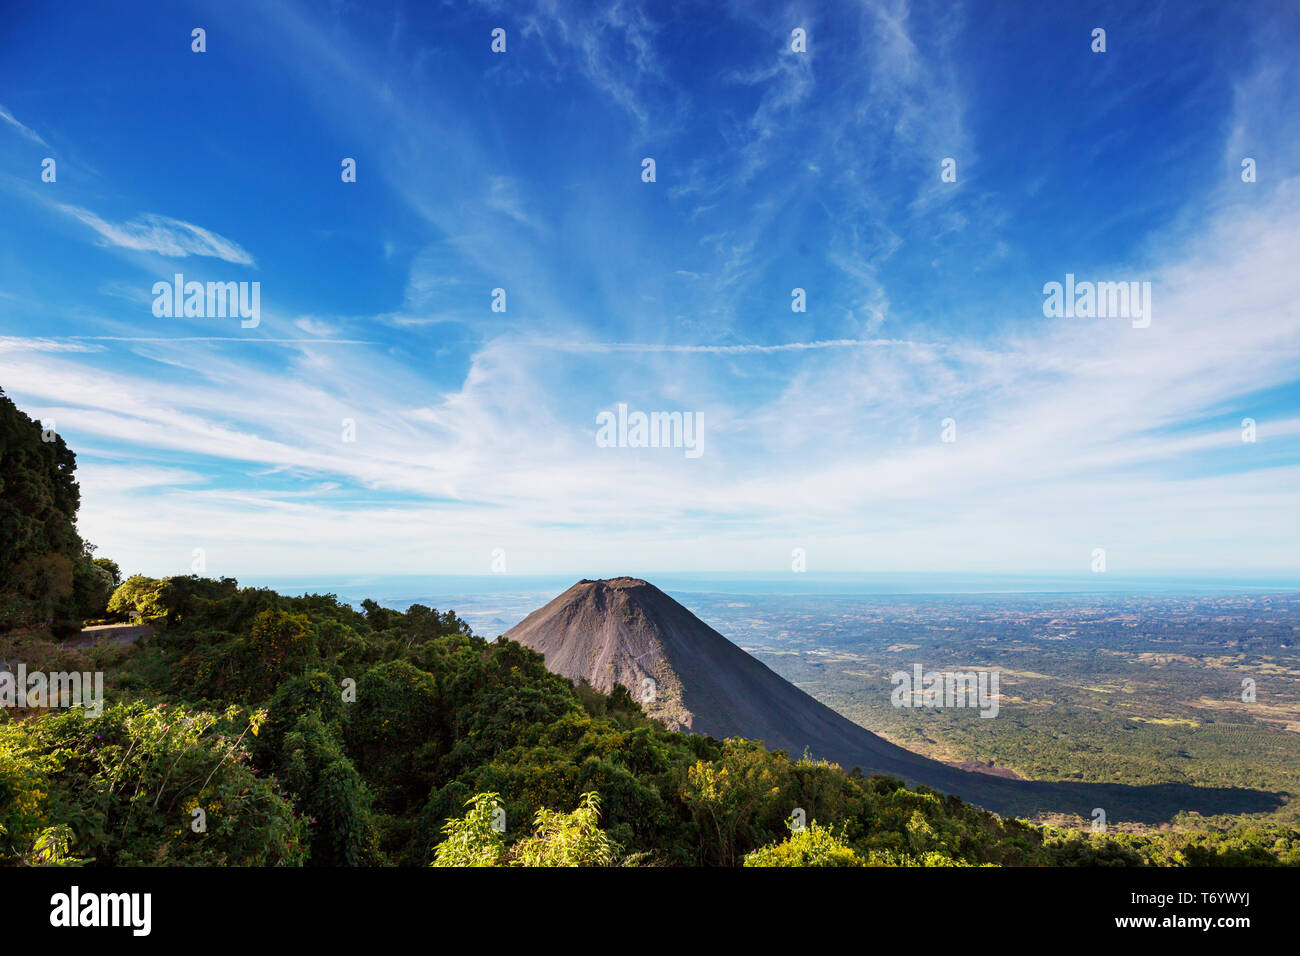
x,y
163,235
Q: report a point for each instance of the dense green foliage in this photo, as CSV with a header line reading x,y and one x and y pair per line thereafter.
x,y
46,570
142,785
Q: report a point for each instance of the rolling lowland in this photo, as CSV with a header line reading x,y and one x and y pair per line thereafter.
x,y
1136,689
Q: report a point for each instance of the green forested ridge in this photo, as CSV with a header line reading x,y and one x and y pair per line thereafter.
x,y
256,728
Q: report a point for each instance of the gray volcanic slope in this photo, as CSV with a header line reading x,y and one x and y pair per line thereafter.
x,y
624,630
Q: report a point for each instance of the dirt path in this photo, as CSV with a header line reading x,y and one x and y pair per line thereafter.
x,y
105,633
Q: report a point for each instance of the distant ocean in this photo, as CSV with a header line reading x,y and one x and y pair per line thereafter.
x,y
493,603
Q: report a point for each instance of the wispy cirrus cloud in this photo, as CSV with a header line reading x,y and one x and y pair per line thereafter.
x,y
614,47
739,349
313,326
503,196
163,235
18,343
474,428
24,130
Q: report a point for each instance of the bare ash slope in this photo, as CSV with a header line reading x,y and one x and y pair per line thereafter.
x,y
625,630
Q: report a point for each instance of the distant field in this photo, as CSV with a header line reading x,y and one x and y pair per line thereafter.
x,y
1106,689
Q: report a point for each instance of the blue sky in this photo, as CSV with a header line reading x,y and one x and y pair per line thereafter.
x,y
475,430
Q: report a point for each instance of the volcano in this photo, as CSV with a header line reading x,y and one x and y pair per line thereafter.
x,y
687,675
626,631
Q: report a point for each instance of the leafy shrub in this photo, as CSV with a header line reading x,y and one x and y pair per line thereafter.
x,y
473,840
812,845
567,839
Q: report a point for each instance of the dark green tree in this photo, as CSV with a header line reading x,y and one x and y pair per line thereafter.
x,y
46,571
